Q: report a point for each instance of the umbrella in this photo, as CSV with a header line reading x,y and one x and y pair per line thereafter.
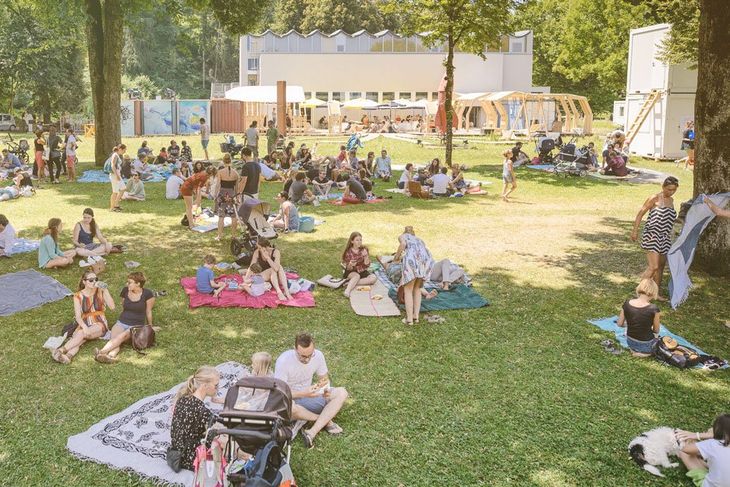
x,y
360,103
313,103
401,102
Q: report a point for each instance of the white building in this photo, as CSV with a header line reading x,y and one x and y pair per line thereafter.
x,y
660,134
380,67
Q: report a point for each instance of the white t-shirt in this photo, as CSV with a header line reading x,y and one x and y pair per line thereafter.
x,y
204,132
252,136
298,375
717,457
7,237
172,187
404,177
440,183
266,171
138,166
71,146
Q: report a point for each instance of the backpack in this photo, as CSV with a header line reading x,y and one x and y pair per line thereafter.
x,y
108,164
265,469
667,350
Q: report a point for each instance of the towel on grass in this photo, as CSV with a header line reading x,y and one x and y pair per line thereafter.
x,y
238,298
366,303
610,324
644,176
683,249
137,438
205,223
459,296
343,202
99,176
28,289
22,245
540,167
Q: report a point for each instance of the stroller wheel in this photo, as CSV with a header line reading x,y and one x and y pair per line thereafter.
x,y
582,173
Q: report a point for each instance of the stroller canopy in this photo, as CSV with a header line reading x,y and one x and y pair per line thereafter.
x,y
259,396
252,205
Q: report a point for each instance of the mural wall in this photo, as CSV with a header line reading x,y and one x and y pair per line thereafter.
x,y
158,117
189,113
127,116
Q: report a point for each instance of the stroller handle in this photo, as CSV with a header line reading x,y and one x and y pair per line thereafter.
x,y
258,435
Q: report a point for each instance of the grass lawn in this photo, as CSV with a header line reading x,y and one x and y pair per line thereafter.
x,y
519,393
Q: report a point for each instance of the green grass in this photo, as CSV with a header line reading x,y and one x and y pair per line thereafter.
x,y
519,393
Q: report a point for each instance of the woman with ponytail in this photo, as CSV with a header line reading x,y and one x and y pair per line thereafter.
x,y
85,232
190,416
49,253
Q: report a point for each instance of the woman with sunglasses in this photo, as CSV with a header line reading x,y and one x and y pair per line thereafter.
x,y
135,189
90,303
137,303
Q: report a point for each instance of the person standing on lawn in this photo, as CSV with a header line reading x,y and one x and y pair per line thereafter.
x,y
204,136
508,175
317,402
252,139
272,135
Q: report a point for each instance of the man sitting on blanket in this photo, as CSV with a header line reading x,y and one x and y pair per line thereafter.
x,y
312,402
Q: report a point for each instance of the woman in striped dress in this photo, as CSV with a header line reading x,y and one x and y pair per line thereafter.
x,y
657,235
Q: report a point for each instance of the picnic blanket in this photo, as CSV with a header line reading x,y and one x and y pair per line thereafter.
x,y
540,167
343,203
205,223
643,176
610,324
21,246
683,249
459,296
366,303
237,298
99,176
137,438
28,289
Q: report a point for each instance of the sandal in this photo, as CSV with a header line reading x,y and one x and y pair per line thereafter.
x,y
308,440
333,428
406,322
59,355
103,358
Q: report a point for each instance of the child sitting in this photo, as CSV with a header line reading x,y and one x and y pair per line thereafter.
x,y
186,154
161,157
253,282
205,282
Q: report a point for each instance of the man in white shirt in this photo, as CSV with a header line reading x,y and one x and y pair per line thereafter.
x,y
252,139
172,187
382,166
7,236
312,402
204,136
441,183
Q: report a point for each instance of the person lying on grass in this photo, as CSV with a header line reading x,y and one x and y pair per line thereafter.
x,y
707,455
137,304
641,319
269,258
253,282
90,303
205,282
84,233
355,262
50,255
318,403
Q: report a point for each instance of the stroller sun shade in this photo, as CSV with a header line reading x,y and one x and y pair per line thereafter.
x,y
253,213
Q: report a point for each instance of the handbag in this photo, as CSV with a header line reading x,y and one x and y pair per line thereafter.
x,y
174,457
143,337
98,267
69,329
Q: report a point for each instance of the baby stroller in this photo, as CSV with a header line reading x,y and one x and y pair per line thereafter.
x,y
572,161
253,218
230,145
255,416
544,147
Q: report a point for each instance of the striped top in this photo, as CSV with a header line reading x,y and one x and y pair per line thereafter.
x,y
657,235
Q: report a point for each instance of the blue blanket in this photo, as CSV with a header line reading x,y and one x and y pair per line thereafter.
x,y
99,176
28,289
22,245
540,167
609,324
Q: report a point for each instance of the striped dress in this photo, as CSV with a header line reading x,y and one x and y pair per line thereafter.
x,y
657,235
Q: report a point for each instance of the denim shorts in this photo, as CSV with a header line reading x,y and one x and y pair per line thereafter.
x,y
312,404
641,346
204,143
124,326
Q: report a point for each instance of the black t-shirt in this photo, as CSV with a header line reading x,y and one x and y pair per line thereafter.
x,y
516,153
134,313
320,180
357,189
639,321
366,184
287,185
53,142
173,152
38,147
252,171
126,169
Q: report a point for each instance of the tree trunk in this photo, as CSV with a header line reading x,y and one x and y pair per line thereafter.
x,y
448,103
105,36
712,121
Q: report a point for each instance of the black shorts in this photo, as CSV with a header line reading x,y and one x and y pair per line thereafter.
x,y
363,274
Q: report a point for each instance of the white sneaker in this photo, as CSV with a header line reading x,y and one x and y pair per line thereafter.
x,y
84,263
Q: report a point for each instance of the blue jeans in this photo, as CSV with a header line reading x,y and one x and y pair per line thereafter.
x,y
641,346
312,404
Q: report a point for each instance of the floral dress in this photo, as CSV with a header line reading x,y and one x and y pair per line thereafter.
x,y
189,423
417,262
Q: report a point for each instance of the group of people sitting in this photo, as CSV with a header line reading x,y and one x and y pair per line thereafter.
x,y
314,401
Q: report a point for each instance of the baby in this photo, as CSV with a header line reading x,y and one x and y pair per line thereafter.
x,y
253,282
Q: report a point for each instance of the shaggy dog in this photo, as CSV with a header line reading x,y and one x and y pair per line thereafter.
x,y
652,449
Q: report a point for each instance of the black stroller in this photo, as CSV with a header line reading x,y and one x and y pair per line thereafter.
x,y
253,218
230,145
572,161
545,146
256,414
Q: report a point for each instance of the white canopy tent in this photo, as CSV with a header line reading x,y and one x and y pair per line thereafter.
x,y
264,94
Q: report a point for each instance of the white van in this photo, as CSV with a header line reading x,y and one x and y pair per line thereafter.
x,y
7,122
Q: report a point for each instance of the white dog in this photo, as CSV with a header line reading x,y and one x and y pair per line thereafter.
x,y
652,449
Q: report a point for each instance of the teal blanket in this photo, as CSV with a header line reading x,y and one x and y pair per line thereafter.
x,y
458,297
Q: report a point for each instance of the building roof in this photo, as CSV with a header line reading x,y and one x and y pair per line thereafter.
x,y
359,33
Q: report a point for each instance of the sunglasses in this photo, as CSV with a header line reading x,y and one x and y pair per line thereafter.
x,y
91,279
305,358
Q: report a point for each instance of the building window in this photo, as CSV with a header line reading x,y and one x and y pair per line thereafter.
x,y
517,45
322,95
388,96
621,111
372,96
248,43
399,45
405,95
253,64
253,80
355,94
420,95
434,96
337,96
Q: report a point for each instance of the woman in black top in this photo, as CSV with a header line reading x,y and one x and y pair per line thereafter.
x,y
137,303
641,319
190,416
